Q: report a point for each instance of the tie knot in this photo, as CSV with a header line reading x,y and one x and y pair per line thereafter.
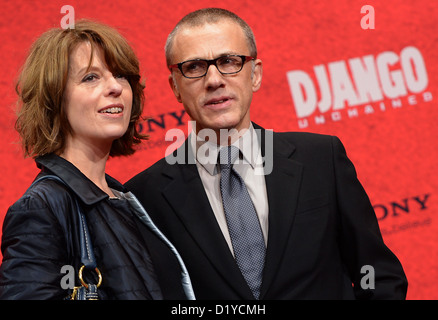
x,y
227,156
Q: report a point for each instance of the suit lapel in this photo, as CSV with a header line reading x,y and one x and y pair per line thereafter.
x,y
282,185
187,196
189,201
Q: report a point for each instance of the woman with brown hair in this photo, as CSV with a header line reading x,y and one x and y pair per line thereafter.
x,y
80,99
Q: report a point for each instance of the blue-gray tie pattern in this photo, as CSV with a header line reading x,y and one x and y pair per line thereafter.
x,y
243,223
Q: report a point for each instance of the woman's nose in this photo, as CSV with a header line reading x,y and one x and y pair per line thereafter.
x,y
114,86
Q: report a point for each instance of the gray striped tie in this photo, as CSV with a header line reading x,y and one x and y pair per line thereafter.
x,y
243,223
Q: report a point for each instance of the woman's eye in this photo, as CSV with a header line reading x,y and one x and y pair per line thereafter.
x,y
89,77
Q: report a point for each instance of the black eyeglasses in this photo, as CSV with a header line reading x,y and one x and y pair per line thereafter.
x,y
198,68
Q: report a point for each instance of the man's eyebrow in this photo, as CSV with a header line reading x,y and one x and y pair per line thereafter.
x,y
223,54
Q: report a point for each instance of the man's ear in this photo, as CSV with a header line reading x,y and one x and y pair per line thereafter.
x,y
174,87
257,75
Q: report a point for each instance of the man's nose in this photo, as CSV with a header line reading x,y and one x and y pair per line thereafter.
x,y
214,79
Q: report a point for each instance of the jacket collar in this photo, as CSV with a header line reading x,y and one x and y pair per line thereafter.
x,y
206,152
186,194
83,187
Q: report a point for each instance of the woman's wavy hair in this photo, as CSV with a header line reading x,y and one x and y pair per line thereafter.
x,y
41,119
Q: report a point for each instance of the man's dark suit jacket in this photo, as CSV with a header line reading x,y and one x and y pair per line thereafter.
x,y
322,227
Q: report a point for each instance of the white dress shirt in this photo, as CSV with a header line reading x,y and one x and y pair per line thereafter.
x,y
206,162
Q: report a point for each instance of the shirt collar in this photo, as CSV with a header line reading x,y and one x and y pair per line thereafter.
x,y
207,152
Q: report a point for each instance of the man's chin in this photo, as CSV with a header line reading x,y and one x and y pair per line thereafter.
x,y
223,133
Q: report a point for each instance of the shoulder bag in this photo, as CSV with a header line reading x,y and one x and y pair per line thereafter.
x,y
86,291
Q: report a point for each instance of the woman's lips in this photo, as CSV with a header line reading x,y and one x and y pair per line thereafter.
x,y
112,110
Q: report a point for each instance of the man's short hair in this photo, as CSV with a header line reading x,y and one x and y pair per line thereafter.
x,y
211,16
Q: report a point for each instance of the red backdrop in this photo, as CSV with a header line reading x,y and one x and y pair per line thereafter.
x,y
376,89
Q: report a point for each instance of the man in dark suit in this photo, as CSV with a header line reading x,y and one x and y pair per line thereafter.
x,y
316,233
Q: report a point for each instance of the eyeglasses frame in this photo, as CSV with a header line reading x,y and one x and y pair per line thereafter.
x,y
244,58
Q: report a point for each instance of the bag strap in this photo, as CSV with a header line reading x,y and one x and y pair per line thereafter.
x,y
87,252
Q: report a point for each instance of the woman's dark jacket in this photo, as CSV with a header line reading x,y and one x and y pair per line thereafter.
x,y
41,235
